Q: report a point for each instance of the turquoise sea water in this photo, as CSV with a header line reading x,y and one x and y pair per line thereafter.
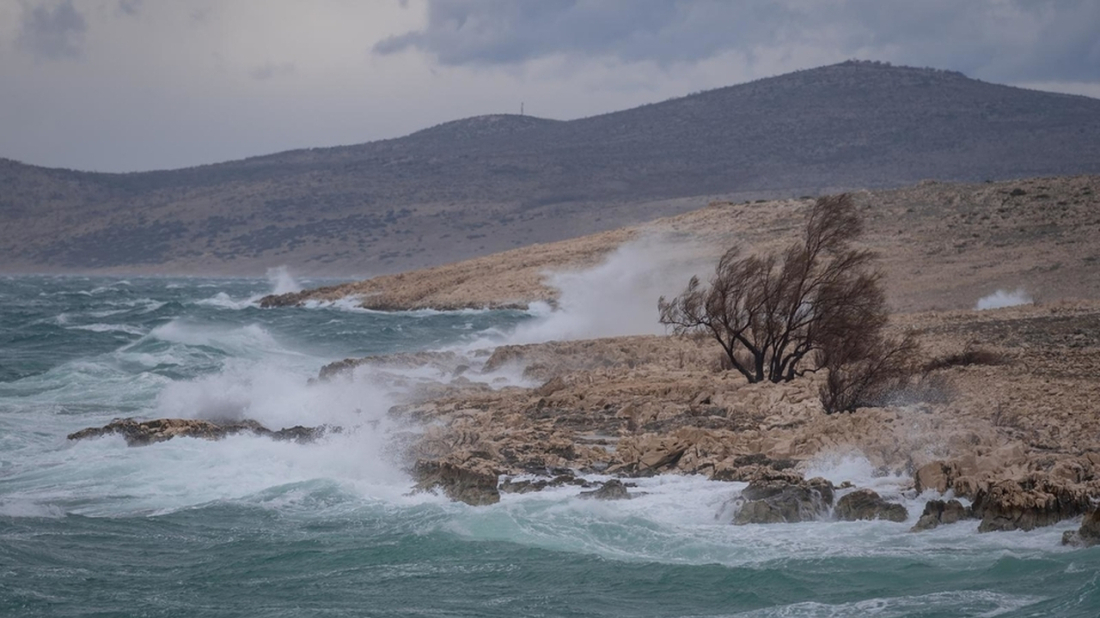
x,y
250,527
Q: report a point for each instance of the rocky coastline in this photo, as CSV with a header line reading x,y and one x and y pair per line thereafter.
x,y
1003,432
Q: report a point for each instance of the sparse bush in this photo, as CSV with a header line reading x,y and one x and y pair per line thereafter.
x,y
971,355
817,305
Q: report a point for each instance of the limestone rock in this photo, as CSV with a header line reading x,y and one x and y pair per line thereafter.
x,y
867,504
142,433
611,490
468,484
1087,535
938,512
1029,503
938,475
783,500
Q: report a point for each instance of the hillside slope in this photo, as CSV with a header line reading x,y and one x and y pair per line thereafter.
x,y
489,183
940,246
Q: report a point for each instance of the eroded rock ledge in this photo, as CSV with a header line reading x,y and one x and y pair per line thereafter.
x,y
142,433
1013,443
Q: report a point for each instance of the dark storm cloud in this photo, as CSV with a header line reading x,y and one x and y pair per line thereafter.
x,y
1009,40
52,31
129,7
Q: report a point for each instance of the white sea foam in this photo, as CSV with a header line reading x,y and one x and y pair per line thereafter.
x,y
109,328
347,303
248,341
957,603
221,300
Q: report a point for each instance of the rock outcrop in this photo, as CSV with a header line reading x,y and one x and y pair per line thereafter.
x,y
784,499
867,504
1029,503
937,475
474,486
1087,535
610,490
938,512
142,433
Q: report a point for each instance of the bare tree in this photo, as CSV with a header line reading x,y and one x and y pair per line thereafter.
x,y
817,304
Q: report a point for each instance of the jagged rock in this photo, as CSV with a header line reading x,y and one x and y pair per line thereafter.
x,y
141,433
938,512
783,500
509,486
1087,535
867,504
748,467
302,434
938,475
552,386
610,490
446,363
459,483
1029,503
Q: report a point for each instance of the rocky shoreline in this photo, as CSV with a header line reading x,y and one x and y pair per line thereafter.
x,y
1005,420
1002,430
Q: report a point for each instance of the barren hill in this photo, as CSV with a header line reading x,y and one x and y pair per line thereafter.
x,y
940,246
490,183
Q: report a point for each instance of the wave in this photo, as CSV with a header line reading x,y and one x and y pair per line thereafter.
x,y
221,300
979,603
110,328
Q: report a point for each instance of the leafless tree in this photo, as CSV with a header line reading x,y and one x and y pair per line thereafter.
x,y
817,304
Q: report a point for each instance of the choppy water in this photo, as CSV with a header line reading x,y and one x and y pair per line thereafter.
x,y
250,527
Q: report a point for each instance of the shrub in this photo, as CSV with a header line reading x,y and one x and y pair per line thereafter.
x,y
817,305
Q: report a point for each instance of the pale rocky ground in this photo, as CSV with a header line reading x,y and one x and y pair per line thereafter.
x,y
941,246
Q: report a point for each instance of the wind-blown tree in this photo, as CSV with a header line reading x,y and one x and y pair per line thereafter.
x,y
817,304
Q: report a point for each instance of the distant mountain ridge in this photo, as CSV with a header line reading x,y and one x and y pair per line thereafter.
x,y
488,183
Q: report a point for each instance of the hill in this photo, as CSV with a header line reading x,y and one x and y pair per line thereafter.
x,y
939,245
490,183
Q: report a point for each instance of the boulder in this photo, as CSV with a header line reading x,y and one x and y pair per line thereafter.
x,y
1087,535
783,499
938,512
938,475
1028,503
866,504
476,487
142,433
611,490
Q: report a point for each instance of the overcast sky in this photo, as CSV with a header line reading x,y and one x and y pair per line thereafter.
x,y
125,85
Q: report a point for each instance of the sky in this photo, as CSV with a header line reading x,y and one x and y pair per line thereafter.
x,y
132,85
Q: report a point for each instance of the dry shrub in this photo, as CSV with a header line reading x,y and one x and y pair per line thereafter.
x,y
819,304
971,355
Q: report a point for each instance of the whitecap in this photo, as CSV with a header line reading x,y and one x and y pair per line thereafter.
x,y
108,328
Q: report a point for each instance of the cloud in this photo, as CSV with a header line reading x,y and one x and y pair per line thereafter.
x,y
52,33
1009,40
129,7
269,70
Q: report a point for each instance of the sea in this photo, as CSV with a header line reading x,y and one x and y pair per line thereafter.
x,y
247,526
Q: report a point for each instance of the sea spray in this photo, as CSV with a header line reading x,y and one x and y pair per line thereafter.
x,y
1003,298
282,282
619,295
